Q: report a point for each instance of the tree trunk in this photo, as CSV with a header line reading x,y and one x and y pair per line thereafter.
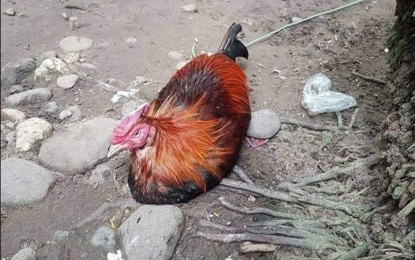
x,y
399,126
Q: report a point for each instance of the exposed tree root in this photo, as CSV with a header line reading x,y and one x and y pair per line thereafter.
x,y
256,210
312,126
238,170
248,248
337,171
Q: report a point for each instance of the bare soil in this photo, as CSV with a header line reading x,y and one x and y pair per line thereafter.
x,y
350,40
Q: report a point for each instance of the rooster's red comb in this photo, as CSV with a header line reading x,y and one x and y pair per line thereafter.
x,y
125,124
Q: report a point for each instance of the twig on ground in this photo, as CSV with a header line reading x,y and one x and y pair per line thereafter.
x,y
368,78
312,126
74,7
407,209
138,14
238,170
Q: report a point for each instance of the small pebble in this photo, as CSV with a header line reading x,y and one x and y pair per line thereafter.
x,y
191,8
10,12
131,40
10,137
65,114
73,19
251,199
67,82
64,16
295,19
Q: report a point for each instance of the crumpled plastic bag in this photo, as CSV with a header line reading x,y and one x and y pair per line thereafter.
x,y
318,97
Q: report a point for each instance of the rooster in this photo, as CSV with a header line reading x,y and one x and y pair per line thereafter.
x,y
188,138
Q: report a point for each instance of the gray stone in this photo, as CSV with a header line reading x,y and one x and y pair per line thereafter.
x,y
264,124
27,253
49,68
30,131
174,55
16,89
104,237
13,73
44,56
67,82
51,108
75,44
29,96
23,182
78,147
191,8
13,115
152,232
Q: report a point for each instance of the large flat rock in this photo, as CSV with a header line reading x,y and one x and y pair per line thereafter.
x,y
23,182
152,232
78,147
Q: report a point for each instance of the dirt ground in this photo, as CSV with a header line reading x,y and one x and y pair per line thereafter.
x,y
336,44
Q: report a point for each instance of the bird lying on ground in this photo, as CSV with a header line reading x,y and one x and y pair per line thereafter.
x,y
188,138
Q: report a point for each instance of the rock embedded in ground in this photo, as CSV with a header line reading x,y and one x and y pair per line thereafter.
x,y
264,124
29,96
23,182
75,44
68,81
16,89
191,8
30,131
98,175
152,227
78,147
49,68
15,72
27,253
14,115
104,237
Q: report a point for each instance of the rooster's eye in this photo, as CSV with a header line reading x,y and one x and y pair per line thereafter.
x,y
137,133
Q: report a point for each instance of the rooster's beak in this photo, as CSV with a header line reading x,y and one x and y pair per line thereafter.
x,y
113,149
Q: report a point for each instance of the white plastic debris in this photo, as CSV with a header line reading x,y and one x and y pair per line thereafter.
x,y
319,98
127,94
115,256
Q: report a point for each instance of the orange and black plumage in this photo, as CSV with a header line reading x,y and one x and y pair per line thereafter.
x,y
188,138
